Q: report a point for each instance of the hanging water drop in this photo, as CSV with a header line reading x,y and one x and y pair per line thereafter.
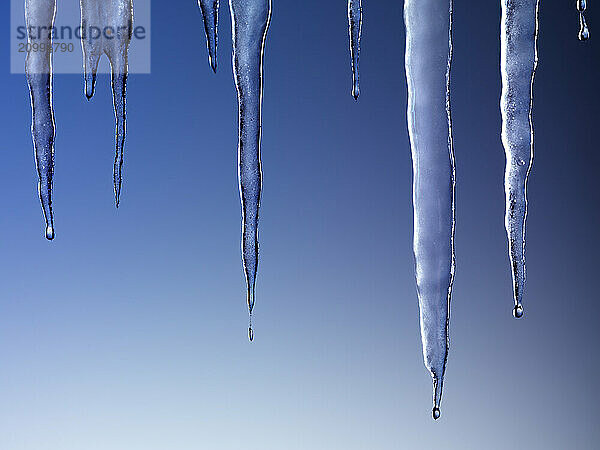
x,y
518,311
436,413
519,31
114,17
355,29
39,16
250,334
210,15
249,24
428,59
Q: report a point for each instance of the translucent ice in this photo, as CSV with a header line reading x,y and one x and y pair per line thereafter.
x,y
114,19
250,23
210,14
39,15
355,28
428,56
584,32
518,60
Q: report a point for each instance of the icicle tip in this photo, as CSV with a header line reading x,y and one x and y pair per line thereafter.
x,y
436,413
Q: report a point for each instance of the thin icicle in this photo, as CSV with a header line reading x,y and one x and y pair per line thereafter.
x,y
39,15
584,32
250,23
428,57
355,29
519,31
210,15
116,17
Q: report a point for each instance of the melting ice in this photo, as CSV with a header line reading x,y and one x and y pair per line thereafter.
x,y
355,29
518,59
249,24
210,15
117,16
584,32
39,15
428,56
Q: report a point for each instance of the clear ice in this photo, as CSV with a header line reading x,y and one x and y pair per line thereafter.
x,y
584,32
518,60
249,23
39,15
210,15
355,29
428,57
114,17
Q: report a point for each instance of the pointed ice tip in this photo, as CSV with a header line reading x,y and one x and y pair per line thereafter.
x,y
518,311
49,232
356,92
213,63
436,413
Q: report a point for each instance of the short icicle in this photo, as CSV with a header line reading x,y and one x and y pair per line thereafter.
x,y
210,16
250,23
428,57
355,30
39,15
584,32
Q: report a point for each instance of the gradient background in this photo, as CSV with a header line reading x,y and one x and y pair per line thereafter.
x,y
128,332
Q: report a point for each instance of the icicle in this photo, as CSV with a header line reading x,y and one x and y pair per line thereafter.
x,y
210,15
249,23
355,29
39,15
114,17
584,32
519,30
428,57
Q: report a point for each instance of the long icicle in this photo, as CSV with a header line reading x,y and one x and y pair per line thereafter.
x,y
39,15
249,23
355,29
114,15
428,58
518,60
210,16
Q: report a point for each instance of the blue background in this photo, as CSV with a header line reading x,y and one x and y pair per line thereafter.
x,y
128,332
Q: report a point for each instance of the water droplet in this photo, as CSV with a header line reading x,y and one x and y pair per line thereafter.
x,y
518,311
250,334
584,33
49,233
581,5
436,413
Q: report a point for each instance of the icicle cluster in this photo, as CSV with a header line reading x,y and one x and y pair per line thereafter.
x,y
428,63
114,15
